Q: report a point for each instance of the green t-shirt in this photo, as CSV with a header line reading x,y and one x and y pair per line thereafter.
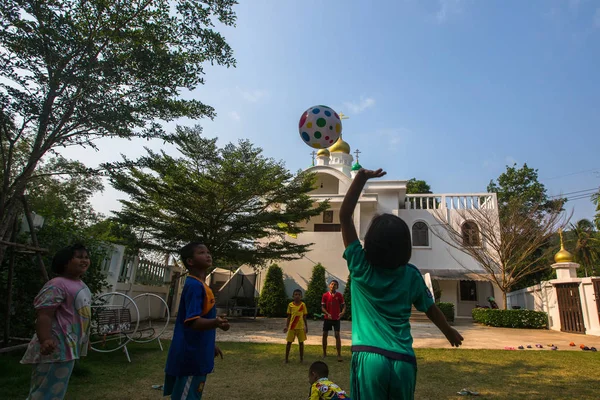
x,y
382,300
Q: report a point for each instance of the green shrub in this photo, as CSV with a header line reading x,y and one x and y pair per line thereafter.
x,y
273,300
448,310
348,300
314,293
511,318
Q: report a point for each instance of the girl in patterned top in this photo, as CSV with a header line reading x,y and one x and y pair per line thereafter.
x,y
62,325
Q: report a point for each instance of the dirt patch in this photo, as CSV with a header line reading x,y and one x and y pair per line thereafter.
x,y
425,335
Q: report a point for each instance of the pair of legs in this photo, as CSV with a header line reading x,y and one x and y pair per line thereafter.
x,y
49,381
184,387
374,376
291,336
327,325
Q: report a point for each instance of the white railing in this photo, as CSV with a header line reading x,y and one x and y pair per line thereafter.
x,y
469,201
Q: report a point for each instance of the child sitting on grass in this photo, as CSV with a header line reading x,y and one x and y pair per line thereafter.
x,y
321,387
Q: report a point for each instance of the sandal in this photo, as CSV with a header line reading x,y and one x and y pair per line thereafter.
x,y
467,392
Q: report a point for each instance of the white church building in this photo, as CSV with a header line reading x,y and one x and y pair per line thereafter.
x,y
436,260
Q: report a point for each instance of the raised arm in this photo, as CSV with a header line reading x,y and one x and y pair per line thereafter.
x,y
349,204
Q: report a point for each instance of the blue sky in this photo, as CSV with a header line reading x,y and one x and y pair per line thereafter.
x,y
449,91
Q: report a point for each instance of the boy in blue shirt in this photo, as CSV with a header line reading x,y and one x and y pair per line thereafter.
x,y
193,349
384,288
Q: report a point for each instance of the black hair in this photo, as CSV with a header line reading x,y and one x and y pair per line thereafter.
x,y
297,290
187,251
319,368
334,280
388,242
64,255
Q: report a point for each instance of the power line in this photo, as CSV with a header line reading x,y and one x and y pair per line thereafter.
x,y
571,174
592,191
580,197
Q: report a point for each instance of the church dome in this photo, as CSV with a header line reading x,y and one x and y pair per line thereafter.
x,y
323,152
340,147
563,256
356,166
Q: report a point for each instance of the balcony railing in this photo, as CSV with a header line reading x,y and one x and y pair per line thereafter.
x,y
470,201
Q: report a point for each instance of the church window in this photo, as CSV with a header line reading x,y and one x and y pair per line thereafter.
x,y
470,234
420,234
328,217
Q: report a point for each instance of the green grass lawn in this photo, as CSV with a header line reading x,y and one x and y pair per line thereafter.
x,y
256,371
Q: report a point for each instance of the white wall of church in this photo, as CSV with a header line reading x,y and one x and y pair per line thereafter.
x,y
327,250
438,255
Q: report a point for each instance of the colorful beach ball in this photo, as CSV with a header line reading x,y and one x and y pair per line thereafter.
x,y
320,127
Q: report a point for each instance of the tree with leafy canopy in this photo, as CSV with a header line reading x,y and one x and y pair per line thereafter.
x,y
585,246
596,200
415,186
76,71
233,199
64,203
273,300
315,290
520,188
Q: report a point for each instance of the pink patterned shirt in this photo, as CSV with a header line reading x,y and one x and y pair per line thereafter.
x,y
71,300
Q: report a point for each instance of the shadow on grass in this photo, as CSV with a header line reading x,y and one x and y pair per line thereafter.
x,y
256,371
507,375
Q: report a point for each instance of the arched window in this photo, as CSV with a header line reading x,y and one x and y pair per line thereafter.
x,y
470,234
420,234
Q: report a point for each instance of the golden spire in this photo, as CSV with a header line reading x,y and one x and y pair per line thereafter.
x,y
340,145
563,256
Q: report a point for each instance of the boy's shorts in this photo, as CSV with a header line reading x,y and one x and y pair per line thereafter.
x,y
293,333
184,387
328,324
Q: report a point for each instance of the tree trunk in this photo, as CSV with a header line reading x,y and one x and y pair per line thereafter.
x,y
13,204
504,300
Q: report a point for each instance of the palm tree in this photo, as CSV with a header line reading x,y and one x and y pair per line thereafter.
x,y
596,200
587,245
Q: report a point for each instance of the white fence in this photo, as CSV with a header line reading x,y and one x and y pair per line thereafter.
x,y
131,275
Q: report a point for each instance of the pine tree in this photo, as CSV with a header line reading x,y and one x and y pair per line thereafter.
x,y
316,287
273,300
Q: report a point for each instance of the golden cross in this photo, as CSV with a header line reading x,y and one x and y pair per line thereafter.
x,y
343,116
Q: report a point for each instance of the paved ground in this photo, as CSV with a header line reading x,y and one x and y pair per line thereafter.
x,y
425,334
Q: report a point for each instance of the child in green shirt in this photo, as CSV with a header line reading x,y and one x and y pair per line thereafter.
x,y
384,289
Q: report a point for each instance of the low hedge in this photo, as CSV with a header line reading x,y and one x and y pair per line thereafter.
x,y
448,310
511,318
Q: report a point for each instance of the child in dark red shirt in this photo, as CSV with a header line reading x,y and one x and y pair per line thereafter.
x,y
333,306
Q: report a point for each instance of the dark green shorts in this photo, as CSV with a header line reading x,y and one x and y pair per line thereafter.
x,y
374,376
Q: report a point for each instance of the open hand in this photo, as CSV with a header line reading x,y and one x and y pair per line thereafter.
x,y
47,346
373,174
454,337
218,352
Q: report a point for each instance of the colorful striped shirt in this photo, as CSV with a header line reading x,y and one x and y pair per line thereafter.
x,y
296,313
